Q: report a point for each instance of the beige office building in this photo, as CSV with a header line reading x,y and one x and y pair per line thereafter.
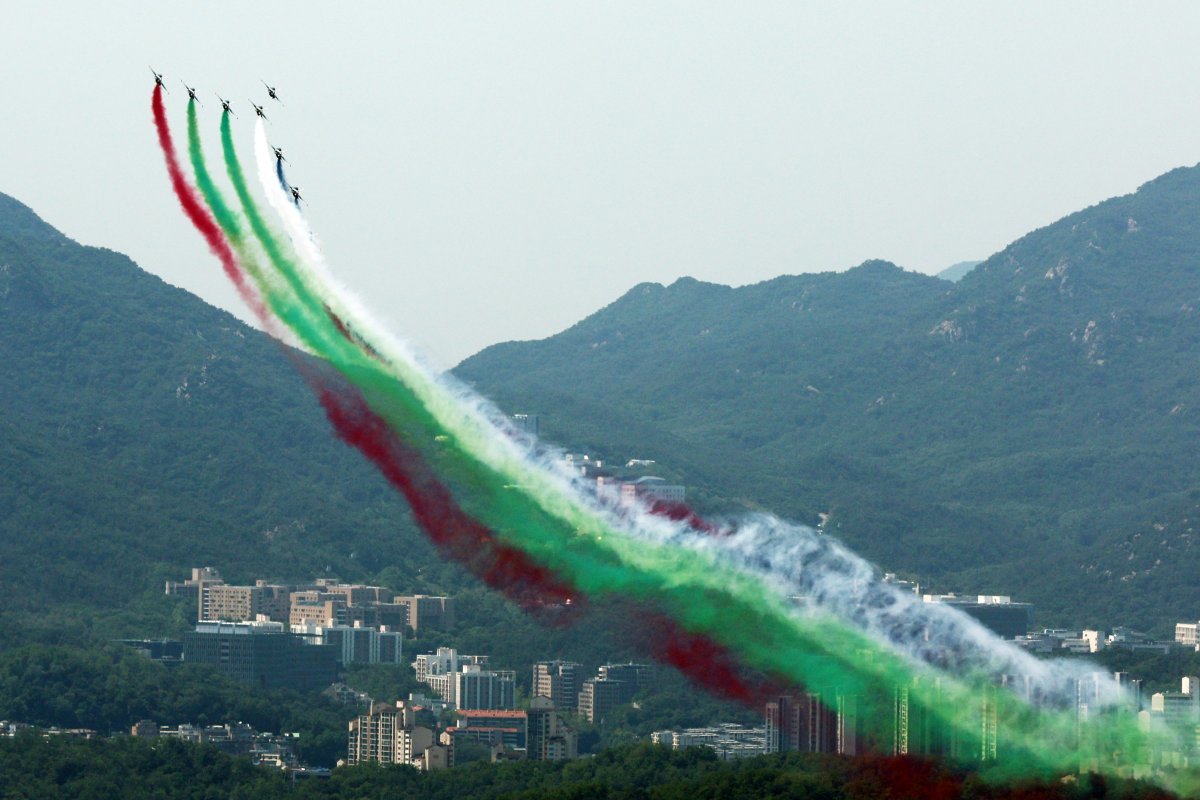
x,y
223,603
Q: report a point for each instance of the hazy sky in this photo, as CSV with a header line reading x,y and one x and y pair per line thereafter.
x,y
492,171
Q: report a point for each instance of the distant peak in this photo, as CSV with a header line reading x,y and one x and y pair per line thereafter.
x,y
955,272
688,282
876,265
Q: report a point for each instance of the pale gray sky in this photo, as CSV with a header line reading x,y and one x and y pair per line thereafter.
x,y
481,172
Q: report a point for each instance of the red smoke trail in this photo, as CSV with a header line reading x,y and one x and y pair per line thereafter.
x,y
708,664
198,213
456,534
682,512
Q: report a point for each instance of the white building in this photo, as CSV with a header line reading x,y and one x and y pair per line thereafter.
x,y
439,671
356,644
477,688
727,740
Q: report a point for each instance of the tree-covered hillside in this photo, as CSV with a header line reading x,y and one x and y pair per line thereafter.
x,y
143,431
1029,430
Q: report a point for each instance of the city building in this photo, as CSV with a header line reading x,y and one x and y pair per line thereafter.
x,y
357,594
145,728
526,423
547,736
475,687
347,696
355,644
557,681
435,704
649,490
908,587
192,587
439,670
325,602
727,740
1186,633
633,677
800,723
1095,640
997,612
388,734
167,651
598,697
427,613
261,653
225,603
1122,638
1178,710
313,606
493,726
393,615
239,739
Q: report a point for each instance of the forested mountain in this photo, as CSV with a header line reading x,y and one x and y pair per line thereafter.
x,y
143,431
1029,430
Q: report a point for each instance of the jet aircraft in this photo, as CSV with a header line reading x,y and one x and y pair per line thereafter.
x,y
191,93
158,81
278,153
296,194
271,92
258,110
225,105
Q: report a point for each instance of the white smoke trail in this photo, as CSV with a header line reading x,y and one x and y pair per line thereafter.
x,y
789,559
832,579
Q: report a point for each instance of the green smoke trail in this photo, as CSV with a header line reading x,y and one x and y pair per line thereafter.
x,y
703,594
281,296
280,303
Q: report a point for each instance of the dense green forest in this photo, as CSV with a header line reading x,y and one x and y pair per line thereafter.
x,y
32,768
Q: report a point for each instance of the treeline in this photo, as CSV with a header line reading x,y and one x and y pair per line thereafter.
x,y
33,767
1158,672
109,689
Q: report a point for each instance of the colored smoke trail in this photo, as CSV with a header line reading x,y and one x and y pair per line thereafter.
x,y
1051,736
728,591
455,534
196,211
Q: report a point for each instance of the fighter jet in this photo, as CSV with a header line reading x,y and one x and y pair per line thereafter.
x,y
271,93
225,105
278,153
258,110
296,194
158,81
191,93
